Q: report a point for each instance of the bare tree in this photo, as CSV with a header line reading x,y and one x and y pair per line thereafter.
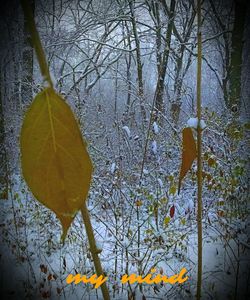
x,y
163,47
27,63
234,99
138,58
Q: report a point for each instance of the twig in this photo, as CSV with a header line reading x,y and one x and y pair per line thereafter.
x,y
36,42
199,154
93,249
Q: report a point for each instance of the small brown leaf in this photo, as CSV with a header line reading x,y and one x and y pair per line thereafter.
x,y
22,258
46,294
4,194
50,277
211,162
138,203
54,276
43,269
172,210
220,213
189,153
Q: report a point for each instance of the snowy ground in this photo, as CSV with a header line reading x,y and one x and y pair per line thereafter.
x,y
34,264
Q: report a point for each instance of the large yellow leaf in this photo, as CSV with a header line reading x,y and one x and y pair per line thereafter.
x,y
55,161
189,153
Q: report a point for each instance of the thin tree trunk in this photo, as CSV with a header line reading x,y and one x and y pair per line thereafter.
x,y
4,182
27,63
159,103
116,89
199,155
138,60
236,56
128,60
225,50
181,71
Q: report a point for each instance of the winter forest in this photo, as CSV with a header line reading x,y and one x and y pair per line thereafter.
x,y
149,174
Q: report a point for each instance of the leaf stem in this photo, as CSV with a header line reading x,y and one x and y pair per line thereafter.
x,y
94,250
36,42
199,154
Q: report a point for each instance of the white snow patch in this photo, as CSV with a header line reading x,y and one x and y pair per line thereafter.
x,y
190,204
98,246
154,147
203,124
160,182
45,83
90,207
155,128
193,123
113,168
127,130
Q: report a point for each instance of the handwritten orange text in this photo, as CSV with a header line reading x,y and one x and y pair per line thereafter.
x,y
97,281
132,278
